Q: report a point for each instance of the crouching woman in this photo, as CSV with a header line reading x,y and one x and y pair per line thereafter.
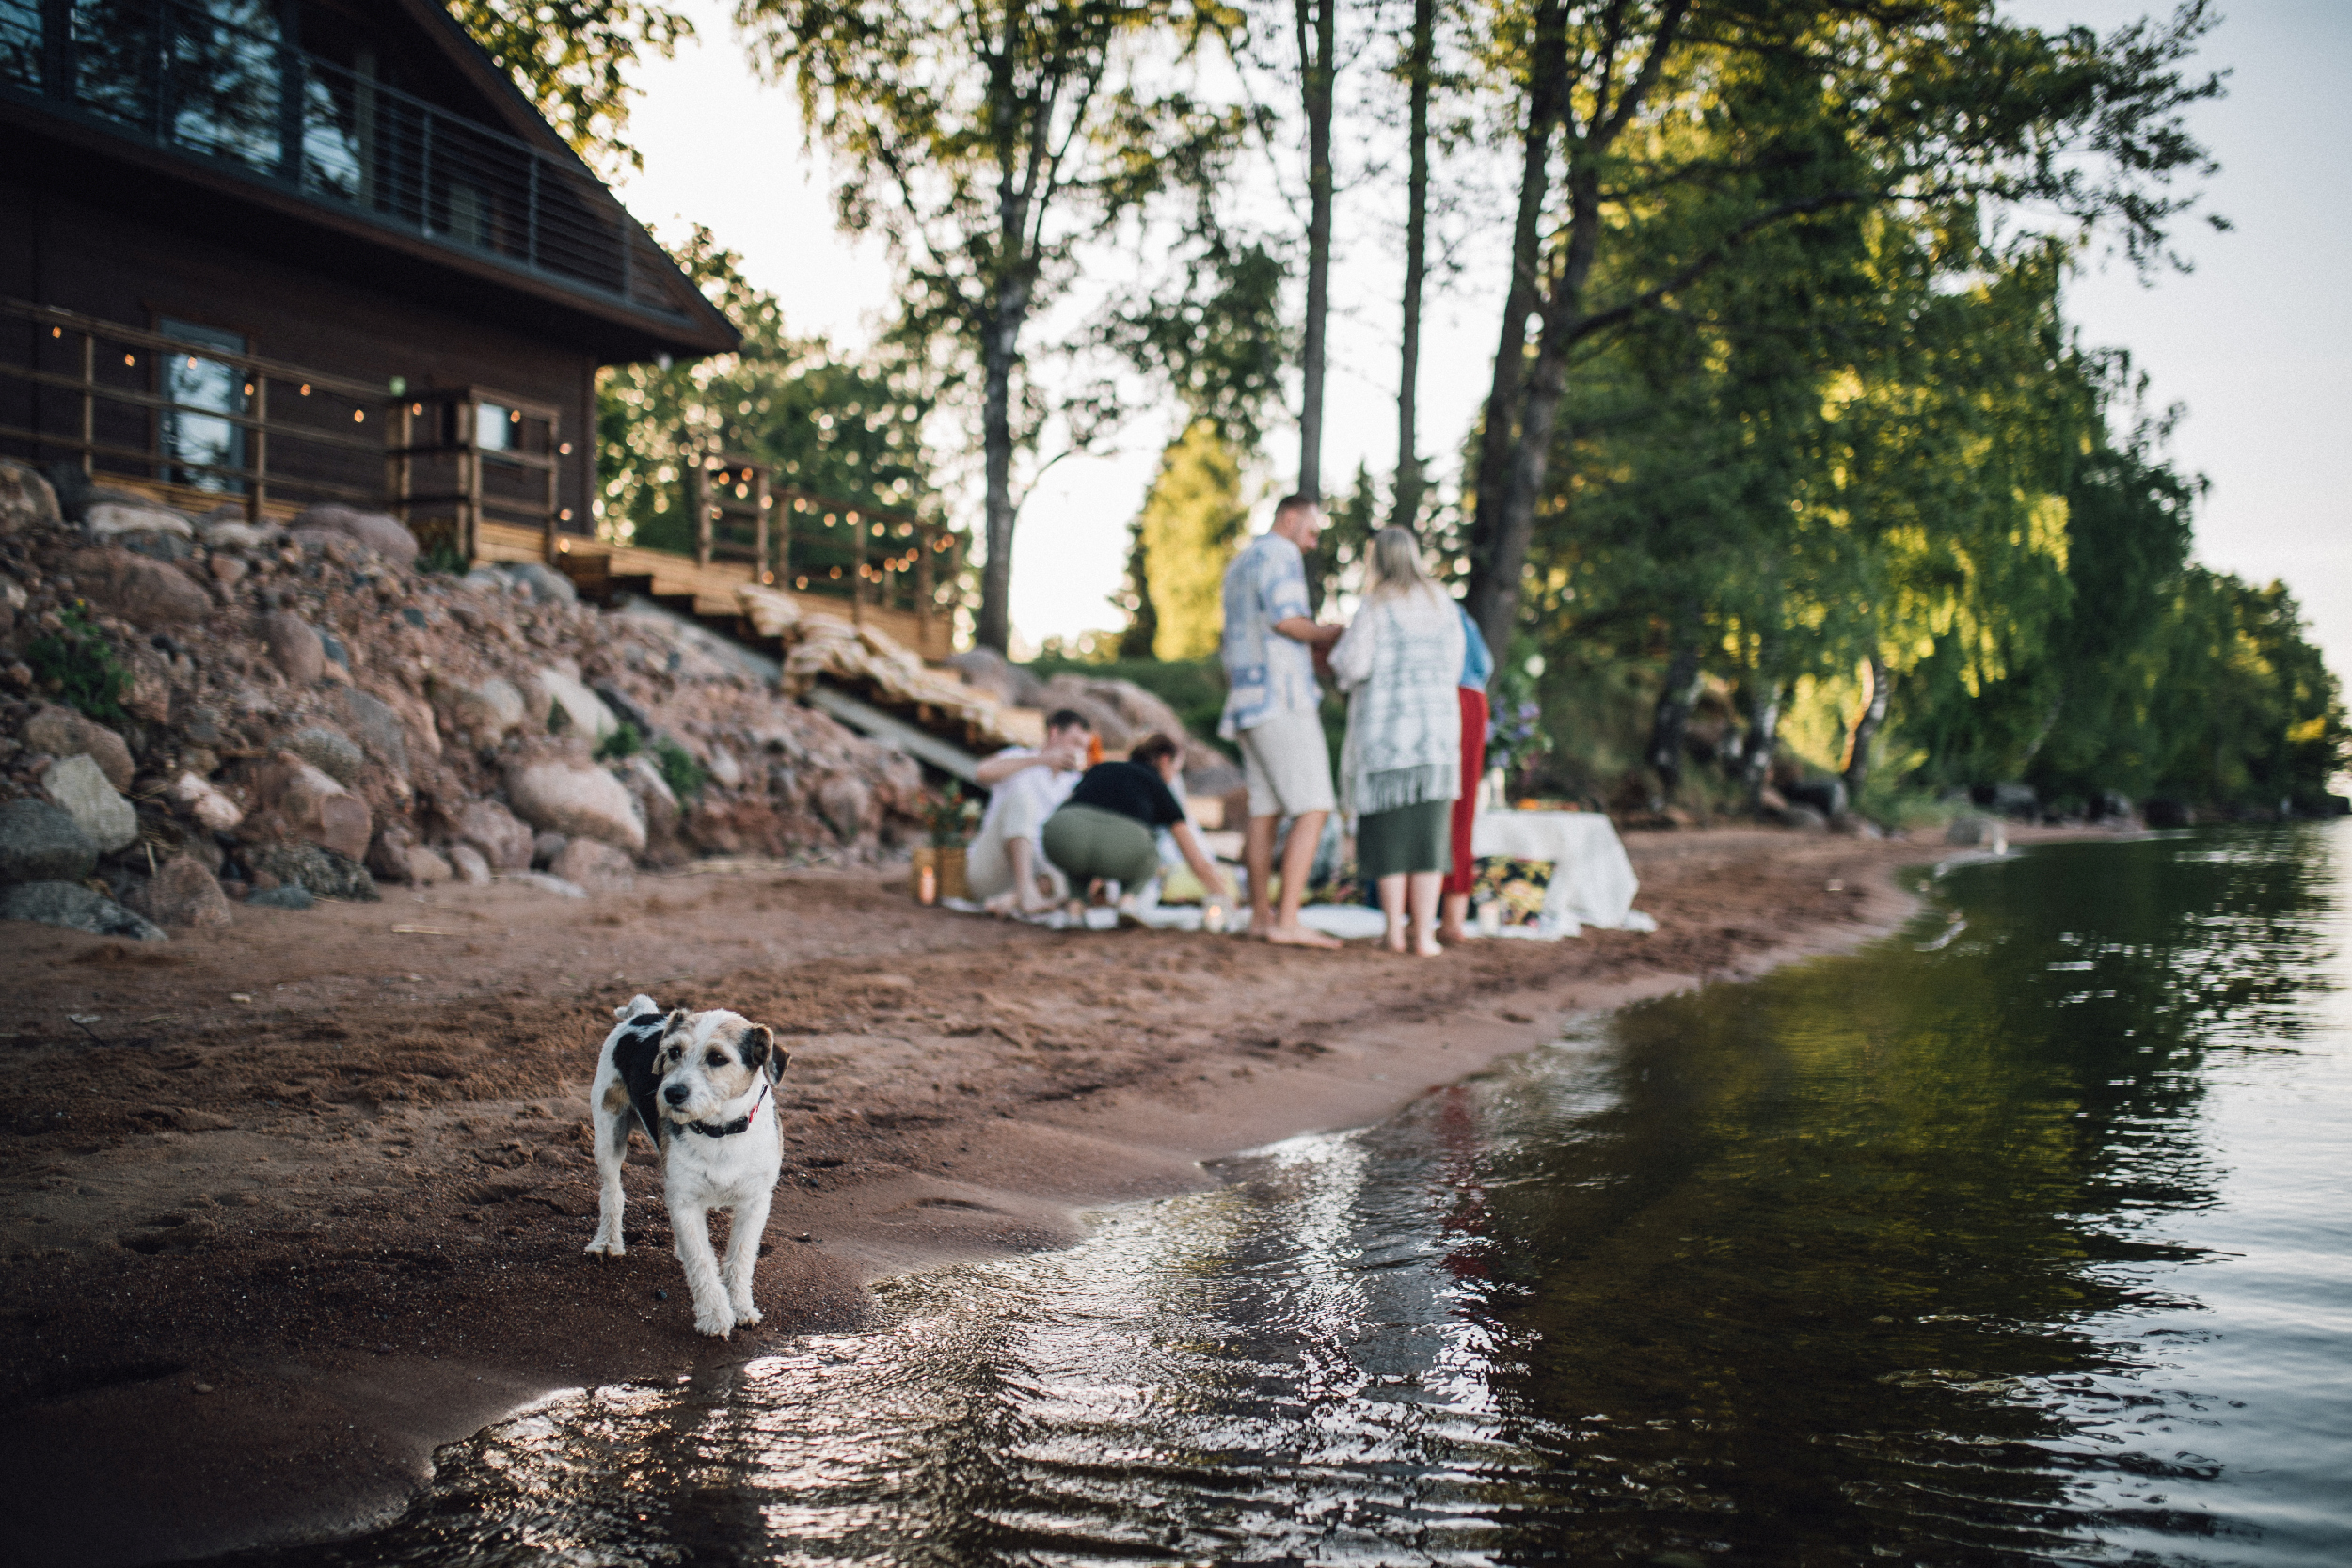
x,y
1104,832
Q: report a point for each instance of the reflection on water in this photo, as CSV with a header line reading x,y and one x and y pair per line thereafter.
x,y
2035,1248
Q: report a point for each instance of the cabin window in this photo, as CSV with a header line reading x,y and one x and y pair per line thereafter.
x,y
202,449
498,428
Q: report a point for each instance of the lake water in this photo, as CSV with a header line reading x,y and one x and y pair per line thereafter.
x,y
2023,1241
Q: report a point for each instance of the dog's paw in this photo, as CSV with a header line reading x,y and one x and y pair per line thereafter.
x,y
746,1315
609,1246
717,1324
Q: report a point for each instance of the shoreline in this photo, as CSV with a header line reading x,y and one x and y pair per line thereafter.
x,y
383,1255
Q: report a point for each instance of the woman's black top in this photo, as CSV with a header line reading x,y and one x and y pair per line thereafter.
x,y
1130,789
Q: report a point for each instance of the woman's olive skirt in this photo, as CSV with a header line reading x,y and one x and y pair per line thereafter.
x,y
1411,838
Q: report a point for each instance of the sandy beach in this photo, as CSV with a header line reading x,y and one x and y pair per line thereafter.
x,y
291,1203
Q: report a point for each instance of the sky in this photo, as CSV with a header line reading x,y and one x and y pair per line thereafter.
x,y
2255,342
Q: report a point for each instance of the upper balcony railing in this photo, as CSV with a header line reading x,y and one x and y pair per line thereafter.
x,y
216,81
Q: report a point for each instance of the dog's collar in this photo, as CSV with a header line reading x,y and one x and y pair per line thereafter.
x,y
730,1129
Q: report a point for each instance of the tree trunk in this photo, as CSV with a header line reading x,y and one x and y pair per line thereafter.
x,y
1866,728
1318,65
1671,718
1495,442
1408,470
1756,752
995,629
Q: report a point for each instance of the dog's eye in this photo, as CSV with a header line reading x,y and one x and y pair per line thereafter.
x,y
717,1058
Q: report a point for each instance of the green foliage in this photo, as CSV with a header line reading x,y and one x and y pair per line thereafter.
x,y
679,769
836,427
1193,519
79,666
442,555
571,59
623,742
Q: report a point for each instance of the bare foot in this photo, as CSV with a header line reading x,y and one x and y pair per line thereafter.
x,y
1449,934
1300,935
1431,949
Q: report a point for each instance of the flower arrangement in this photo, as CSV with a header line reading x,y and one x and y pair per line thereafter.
x,y
953,816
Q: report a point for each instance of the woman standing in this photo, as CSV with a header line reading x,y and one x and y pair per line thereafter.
x,y
1400,663
1478,665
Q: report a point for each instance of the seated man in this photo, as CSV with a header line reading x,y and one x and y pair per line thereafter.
x,y
1004,867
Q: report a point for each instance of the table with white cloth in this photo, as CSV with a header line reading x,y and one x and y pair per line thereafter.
x,y
1591,881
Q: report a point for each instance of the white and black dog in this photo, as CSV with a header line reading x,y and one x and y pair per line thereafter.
x,y
702,1086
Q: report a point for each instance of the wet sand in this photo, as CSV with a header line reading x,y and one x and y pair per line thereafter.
x,y
301,1199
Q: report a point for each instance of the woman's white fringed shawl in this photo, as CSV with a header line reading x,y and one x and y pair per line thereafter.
x,y
1400,663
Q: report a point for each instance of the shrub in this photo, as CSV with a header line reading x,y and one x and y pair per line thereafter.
x,y
80,666
623,742
679,770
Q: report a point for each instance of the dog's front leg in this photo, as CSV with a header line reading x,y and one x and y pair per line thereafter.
x,y
691,1224
743,1234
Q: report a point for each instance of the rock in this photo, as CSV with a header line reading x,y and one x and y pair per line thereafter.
x,y
1825,794
387,852
292,896
597,867
79,786
725,769
326,872
42,843
1977,832
337,655
26,500
544,848
582,709
76,907
295,646
1122,712
846,805
331,752
232,532
148,593
651,791
999,677
471,867
483,712
110,520
377,728
546,584
304,802
206,803
63,733
504,843
2006,800
582,802
382,534
1804,817
2165,812
184,891
428,869
2111,805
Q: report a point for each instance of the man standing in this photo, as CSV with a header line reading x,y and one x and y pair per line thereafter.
x,y
1024,787
1271,640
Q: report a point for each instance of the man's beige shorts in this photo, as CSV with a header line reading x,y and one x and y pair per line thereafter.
x,y
1288,765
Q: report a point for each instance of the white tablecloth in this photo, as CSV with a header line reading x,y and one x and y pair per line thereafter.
x,y
1592,881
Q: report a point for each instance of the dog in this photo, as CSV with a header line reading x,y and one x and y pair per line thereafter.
x,y
703,1087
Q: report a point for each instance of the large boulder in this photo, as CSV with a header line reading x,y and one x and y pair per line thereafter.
x,y
295,646
377,727
846,803
148,593
206,803
386,535
545,584
327,873
997,676
79,786
580,801
331,752
184,891
485,712
581,708
63,733
1122,712
597,867
26,500
76,907
466,861
502,841
294,799
111,520
42,843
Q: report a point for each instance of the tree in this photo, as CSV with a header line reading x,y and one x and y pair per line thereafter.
x,y
1193,518
1315,25
1418,68
1732,119
988,143
571,59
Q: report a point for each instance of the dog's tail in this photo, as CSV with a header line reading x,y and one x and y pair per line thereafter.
x,y
640,1003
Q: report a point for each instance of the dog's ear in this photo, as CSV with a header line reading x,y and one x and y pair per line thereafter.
x,y
677,1019
760,1053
